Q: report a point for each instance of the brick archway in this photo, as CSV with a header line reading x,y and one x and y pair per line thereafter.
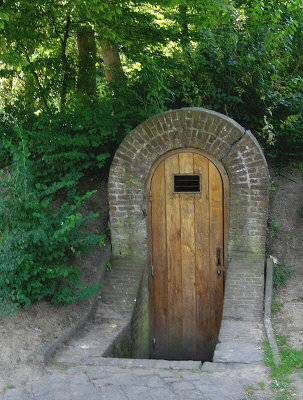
x,y
239,153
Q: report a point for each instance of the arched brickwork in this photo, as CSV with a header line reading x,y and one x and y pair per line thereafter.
x,y
239,153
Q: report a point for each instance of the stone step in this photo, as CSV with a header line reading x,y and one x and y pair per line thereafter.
x,y
113,314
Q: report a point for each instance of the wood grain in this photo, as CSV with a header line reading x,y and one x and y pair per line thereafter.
x,y
216,241
187,211
159,281
175,292
203,301
186,228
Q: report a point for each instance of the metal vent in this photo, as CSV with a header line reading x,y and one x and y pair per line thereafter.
x,y
186,183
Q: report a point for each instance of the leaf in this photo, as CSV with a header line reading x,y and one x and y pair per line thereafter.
x,y
4,16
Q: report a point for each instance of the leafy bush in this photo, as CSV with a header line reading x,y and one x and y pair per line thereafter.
x,y
41,233
59,142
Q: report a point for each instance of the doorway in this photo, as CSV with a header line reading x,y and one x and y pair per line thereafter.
x,y
187,221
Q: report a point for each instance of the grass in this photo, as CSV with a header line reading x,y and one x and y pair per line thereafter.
x,y
276,306
273,228
274,186
194,371
249,389
8,386
281,273
261,385
292,360
61,366
109,266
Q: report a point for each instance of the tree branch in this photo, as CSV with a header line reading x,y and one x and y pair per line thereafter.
x,y
36,77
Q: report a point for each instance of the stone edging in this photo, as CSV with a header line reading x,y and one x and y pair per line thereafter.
x,y
48,351
267,312
147,363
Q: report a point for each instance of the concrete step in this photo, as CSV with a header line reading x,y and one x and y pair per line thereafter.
x,y
240,342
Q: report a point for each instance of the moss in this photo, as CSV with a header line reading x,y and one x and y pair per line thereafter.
x,y
142,345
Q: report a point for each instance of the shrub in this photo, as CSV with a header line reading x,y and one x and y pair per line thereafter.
x,y
76,140
41,233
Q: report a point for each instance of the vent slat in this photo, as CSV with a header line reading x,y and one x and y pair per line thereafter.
x,y
186,183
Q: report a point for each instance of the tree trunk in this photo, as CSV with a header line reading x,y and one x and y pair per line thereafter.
x,y
185,39
64,84
112,63
86,83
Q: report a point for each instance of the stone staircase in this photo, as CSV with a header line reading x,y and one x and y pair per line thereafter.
x,y
112,316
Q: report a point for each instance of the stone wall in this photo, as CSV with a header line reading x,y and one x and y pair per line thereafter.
x,y
241,156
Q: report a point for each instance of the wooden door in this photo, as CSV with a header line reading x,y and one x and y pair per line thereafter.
x,y
186,283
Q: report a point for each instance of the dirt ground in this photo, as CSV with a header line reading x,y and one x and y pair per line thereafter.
x,y
286,245
23,335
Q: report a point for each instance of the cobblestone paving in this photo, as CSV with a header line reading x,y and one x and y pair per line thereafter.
x,y
86,375
132,383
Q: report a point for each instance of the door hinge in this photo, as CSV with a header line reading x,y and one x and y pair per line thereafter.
x,y
152,270
154,342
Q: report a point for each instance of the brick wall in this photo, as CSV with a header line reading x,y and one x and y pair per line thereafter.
x,y
240,155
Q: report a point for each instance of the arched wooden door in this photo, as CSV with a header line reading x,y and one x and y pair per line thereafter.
x,y
187,274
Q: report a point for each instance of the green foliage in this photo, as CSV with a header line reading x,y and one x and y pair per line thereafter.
x,y
273,228
244,62
42,231
274,186
83,142
261,385
281,273
241,58
276,307
8,386
109,266
291,361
